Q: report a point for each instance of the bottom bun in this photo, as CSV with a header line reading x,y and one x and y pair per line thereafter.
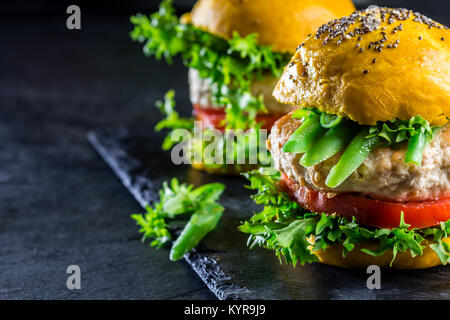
x,y
356,259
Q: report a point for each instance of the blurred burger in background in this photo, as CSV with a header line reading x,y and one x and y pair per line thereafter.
x,y
235,51
363,167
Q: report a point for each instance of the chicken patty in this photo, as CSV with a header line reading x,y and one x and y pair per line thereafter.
x,y
199,90
384,174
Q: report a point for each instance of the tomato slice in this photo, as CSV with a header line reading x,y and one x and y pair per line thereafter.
x,y
370,212
213,118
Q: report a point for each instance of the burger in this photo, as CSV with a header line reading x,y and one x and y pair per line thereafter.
x,y
235,51
362,168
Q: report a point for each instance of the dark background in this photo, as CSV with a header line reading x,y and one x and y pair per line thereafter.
x,y
121,7
92,8
60,204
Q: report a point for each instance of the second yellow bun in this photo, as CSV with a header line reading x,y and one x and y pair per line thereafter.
x,y
279,23
375,65
356,259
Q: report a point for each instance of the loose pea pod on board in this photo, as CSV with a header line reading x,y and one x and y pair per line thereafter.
x,y
201,223
181,200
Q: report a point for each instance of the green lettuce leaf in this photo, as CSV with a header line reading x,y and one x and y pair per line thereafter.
x,y
241,148
231,65
177,200
171,120
295,234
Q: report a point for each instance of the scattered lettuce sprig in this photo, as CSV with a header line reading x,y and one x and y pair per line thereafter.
x,y
237,148
172,120
178,200
295,234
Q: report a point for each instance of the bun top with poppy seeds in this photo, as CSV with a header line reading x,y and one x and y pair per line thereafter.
x,y
378,64
282,24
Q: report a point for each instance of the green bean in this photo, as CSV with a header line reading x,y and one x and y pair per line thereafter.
x,y
333,141
303,113
417,144
305,136
329,120
201,223
354,155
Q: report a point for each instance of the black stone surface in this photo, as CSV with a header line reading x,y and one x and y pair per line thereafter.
x,y
223,262
60,204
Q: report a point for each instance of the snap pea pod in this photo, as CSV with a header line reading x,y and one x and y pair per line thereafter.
x,y
201,223
303,113
354,155
333,141
305,136
417,144
329,120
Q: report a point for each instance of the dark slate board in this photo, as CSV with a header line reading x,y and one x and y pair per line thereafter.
x,y
223,261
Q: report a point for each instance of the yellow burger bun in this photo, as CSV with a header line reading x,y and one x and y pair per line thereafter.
x,y
375,65
281,23
356,259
